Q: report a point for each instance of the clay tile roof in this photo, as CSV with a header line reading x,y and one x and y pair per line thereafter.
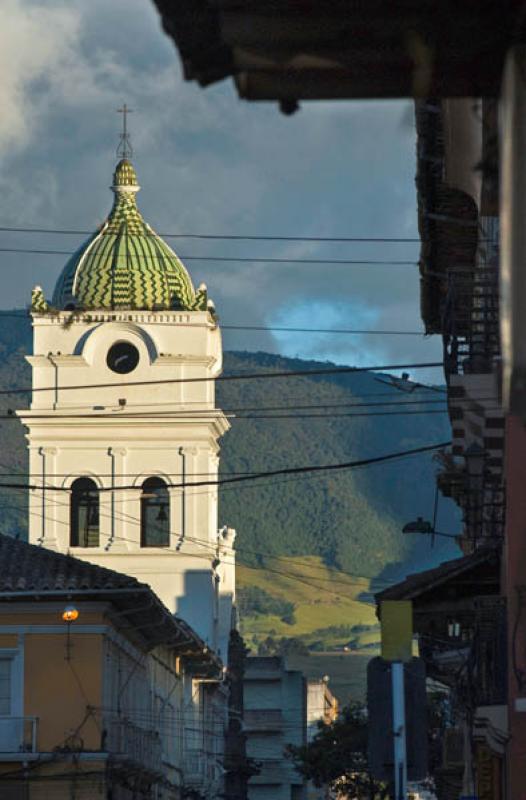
x,y
25,568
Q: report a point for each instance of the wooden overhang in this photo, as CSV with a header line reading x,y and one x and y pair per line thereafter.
x,y
292,50
467,591
465,577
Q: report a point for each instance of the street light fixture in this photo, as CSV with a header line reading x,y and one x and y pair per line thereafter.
x,y
70,614
420,525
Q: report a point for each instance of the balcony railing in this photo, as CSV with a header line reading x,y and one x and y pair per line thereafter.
x,y
18,735
263,719
130,742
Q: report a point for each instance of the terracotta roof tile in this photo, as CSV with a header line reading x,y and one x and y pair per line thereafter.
x,y
25,567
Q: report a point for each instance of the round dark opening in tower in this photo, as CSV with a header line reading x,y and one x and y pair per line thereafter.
x,y
122,357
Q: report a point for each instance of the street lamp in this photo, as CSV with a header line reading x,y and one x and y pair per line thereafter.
x,y
420,525
70,614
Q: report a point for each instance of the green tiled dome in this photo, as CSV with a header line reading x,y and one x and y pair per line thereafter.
x,y
126,264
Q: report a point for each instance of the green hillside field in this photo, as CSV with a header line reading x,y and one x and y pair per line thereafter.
x,y
328,612
322,598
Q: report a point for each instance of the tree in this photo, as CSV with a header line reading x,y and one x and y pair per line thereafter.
x,y
337,756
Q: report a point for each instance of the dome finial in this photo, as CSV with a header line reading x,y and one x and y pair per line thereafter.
x,y
124,150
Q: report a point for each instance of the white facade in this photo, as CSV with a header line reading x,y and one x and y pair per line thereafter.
x,y
160,420
274,701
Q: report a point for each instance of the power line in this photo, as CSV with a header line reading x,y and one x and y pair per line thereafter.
x,y
233,237
259,475
210,489
229,259
273,328
350,331
175,416
222,378
246,409
391,394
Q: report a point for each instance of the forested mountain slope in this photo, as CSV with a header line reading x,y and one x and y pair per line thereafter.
x,y
352,519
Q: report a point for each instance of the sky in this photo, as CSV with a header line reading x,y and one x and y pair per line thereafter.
x,y
209,163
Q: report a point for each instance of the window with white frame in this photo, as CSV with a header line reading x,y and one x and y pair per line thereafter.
x,y
17,734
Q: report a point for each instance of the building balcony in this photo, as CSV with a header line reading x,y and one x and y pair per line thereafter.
x,y
18,737
263,720
130,743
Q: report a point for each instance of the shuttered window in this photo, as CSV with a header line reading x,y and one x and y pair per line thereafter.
x,y
5,685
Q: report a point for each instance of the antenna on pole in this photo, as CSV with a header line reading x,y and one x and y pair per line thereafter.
x,y
124,149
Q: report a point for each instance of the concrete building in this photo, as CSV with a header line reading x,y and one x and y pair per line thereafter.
x,y
123,419
103,692
274,716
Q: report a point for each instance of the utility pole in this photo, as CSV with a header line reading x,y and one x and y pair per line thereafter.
x,y
399,730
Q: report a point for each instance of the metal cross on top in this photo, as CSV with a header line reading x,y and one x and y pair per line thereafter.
x,y
124,150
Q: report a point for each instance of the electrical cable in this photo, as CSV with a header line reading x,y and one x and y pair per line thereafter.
x,y
207,491
89,407
175,416
351,331
228,378
236,488
422,390
274,328
263,474
228,237
232,259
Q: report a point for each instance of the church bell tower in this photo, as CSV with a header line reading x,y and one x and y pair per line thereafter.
x,y
123,418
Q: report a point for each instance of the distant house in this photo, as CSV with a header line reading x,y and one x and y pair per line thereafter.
x,y
322,706
103,692
274,716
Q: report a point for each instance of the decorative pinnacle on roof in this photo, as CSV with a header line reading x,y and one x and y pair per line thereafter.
x,y
126,265
124,150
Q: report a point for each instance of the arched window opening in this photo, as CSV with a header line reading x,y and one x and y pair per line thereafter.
x,y
155,514
84,517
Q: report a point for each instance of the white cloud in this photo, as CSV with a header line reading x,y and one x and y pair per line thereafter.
x,y
36,44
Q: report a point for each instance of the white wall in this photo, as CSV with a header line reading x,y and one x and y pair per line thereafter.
x,y
119,433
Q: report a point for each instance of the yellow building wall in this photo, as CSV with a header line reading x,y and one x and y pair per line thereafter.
x,y
58,691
